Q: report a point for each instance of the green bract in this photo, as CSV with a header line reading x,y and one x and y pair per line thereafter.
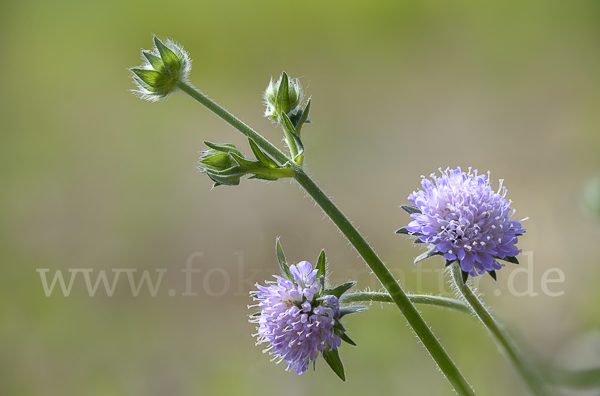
x,y
165,66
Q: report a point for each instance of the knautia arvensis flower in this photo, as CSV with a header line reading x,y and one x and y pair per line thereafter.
x,y
299,318
164,67
462,218
296,324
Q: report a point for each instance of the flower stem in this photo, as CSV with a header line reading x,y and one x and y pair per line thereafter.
x,y
388,281
526,368
425,299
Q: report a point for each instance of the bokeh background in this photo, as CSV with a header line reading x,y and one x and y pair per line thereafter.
x,y
93,177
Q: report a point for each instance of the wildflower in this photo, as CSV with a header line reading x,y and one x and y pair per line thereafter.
x,y
294,320
462,218
166,65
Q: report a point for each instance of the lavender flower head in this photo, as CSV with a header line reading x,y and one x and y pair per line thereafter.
x,y
297,324
466,220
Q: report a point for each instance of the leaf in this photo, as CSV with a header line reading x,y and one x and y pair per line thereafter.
x,y
410,209
449,262
261,156
332,358
512,260
339,290
402,230
321,261
285,269
493,274
351,309
427,254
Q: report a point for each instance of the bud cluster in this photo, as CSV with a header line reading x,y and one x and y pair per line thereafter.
x,y
225,164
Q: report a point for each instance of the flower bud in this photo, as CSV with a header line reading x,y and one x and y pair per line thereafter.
x,y
282,97
165,66
225,164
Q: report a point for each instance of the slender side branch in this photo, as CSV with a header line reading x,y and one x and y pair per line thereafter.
x,y
425,299
512,352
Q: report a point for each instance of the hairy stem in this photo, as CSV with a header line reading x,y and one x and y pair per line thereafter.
x,y
512,352
425,299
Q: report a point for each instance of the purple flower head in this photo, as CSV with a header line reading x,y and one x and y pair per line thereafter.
x,y
297,324
465,220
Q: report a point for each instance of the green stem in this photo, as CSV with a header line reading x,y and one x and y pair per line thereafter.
x,y
234,122
527,370
388,281
424,299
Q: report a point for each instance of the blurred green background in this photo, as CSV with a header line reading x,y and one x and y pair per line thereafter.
x,y
93,177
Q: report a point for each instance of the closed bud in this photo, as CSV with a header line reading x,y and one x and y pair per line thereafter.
x,y
283,97
165,65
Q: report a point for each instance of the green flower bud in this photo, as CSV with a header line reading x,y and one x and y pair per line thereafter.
x,y
225,164
165,65
283,96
